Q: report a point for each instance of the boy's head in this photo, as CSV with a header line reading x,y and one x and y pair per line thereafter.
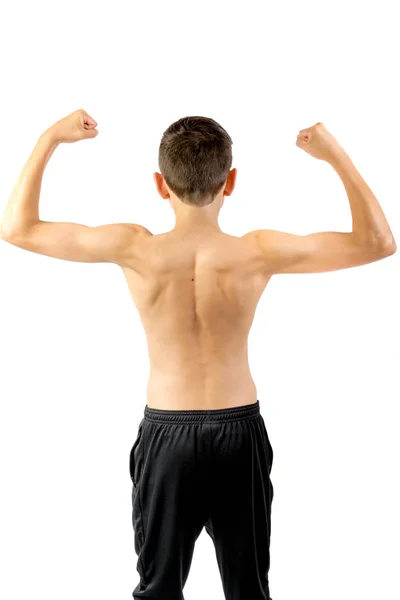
x,y
195,158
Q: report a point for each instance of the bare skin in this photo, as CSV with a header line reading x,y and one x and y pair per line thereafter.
x,y
195,287
196,296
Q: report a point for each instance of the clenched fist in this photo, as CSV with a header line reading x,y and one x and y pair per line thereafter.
x,y
74,127
318,142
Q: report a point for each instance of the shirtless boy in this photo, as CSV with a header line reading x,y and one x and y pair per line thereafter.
x,y
202,456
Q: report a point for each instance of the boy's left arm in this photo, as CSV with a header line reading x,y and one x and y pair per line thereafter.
x,y
22,227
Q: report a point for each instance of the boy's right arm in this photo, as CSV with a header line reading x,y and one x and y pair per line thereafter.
x,y
370,240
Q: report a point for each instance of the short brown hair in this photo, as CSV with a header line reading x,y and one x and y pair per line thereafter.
x,y
195,157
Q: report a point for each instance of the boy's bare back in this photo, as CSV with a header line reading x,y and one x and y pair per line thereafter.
x,y
196,295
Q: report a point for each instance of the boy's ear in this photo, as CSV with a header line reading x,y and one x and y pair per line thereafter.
x,y
160,185
230,182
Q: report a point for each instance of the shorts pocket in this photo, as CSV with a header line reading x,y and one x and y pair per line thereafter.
x,y
133,457
270,452
270,458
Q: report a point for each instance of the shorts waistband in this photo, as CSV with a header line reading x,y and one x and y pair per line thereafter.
x,y
233,413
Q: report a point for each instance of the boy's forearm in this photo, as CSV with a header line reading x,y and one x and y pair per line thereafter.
x,y
23,205
369,221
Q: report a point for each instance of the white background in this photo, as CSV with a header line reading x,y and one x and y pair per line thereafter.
x,y
324,347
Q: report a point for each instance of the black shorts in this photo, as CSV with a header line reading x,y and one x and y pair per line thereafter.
x,y
202,468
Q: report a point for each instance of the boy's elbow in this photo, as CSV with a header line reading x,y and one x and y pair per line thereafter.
x,y
388,248
7,236
4,235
